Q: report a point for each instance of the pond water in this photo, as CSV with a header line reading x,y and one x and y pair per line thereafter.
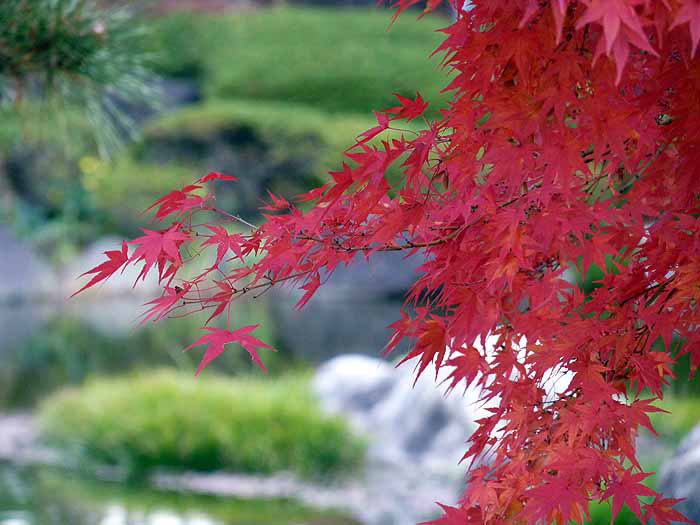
x,y
43,496
46,346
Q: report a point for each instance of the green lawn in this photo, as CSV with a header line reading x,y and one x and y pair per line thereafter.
x,y
339,60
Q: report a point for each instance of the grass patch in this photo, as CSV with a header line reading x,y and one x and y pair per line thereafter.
x,y
175,421
684,415
340,60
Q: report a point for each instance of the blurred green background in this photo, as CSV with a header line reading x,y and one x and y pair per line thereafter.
x,y
105,107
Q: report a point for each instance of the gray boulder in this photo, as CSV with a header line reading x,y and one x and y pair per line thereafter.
x,y
680,476
405,423
416,435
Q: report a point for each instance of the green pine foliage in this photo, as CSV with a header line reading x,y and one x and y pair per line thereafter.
x,y
74,54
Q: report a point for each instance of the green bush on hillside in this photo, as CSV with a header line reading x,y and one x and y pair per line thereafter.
x,y
340,60
284,148
174,421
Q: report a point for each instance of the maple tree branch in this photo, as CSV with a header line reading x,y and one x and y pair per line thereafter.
x,y
426,244
645,290
231,217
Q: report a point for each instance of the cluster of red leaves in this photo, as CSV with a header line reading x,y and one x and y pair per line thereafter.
x,y
572,142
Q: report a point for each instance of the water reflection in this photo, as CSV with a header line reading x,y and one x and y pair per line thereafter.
x,y
32,496
119,515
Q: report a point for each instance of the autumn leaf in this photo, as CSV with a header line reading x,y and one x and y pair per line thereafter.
x,y
218,338
408,109
626,490
178,201
662,512
164,304
383,124
159,248
216,176
224,242
690,13
115,260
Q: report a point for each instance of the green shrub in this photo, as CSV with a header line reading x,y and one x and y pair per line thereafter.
x,y
341,60
284,148
286,129
170,420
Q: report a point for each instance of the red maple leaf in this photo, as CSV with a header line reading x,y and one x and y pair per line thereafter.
x,y
383,123
224,242
216,176
178,201
161,248
164,304
408,109
218,338
115,260
662,512
627,489
690,13
430,347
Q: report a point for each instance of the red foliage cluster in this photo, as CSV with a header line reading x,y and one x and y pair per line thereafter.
x,y
571,147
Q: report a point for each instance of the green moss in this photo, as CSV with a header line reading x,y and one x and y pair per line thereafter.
x,y
340,60
170,420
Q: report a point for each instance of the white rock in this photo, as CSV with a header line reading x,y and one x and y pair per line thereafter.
x,y
680,476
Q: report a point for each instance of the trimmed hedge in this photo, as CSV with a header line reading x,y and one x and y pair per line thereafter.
x,y
175,421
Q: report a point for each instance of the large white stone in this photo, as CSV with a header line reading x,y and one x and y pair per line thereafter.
x,y
405,422
680,476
